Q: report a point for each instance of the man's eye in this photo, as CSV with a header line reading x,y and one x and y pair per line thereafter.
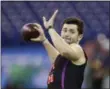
x,y
71,31
65,30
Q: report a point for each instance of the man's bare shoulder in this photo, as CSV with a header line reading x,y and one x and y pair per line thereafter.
x,y
80,52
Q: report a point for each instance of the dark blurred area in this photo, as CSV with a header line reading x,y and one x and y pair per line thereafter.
x,y
25,65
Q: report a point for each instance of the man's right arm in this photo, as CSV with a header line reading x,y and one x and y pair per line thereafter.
x,y
52,51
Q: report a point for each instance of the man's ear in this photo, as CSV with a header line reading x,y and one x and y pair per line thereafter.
x,y
80,37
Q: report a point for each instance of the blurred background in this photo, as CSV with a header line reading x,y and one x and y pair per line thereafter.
x,y
26,64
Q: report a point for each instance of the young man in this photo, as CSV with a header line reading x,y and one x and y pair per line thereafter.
x,y
67,57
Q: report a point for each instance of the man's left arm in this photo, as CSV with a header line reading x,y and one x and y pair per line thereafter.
x,y
71,52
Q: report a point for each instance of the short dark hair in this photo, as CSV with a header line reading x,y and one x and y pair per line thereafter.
x,y
76,21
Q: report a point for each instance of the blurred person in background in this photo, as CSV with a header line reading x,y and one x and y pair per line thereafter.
x,y
97,74
67,57
98,65
99,71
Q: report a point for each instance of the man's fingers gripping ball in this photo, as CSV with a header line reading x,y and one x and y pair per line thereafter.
x,y
29,31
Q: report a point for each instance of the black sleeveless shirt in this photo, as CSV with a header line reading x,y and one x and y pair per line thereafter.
x,y
66,75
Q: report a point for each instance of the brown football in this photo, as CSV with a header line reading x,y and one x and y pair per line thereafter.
x,y
30,31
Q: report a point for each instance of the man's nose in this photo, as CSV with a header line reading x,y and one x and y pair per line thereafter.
x,y
67,34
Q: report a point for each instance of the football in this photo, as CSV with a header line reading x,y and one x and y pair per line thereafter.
x,y
29,31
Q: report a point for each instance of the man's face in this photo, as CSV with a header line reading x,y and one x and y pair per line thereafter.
x,y
70,33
